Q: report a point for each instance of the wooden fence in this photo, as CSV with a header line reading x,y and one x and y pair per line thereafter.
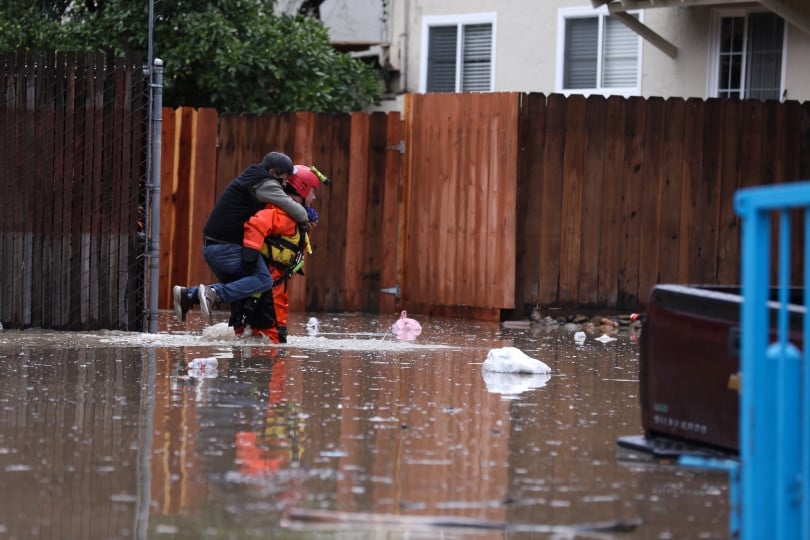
x,y
501,201
72,167
617,194
480,205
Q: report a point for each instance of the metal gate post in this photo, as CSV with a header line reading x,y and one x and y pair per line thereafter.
x,y
153,248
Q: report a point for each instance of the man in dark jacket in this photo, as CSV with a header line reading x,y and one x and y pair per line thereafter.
x,y
234,265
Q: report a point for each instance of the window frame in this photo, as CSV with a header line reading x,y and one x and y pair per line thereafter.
x,y
563,16
713,61
459,21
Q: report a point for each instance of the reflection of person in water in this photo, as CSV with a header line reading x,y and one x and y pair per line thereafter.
x,y
240,430
278,441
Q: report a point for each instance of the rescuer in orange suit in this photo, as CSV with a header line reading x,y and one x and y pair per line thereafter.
x,y
283,243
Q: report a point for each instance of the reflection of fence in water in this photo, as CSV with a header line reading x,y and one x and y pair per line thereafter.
x,y
72,470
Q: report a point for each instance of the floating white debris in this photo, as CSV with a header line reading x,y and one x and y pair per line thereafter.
x,y
203,368
219,331
604,338
510,385
512,360
579,337
313,326
522,325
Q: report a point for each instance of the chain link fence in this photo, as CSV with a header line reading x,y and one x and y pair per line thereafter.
x,y
74,133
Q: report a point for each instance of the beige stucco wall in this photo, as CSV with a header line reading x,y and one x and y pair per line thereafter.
x,y
527,50
797,76
354,21
686,74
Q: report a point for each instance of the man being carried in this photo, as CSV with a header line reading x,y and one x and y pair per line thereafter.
x,y
234,265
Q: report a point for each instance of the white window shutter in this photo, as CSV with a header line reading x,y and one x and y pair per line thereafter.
x,y
620,54
441,69
477,58
581,48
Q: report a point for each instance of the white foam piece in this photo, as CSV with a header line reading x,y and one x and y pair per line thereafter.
x,y
513,360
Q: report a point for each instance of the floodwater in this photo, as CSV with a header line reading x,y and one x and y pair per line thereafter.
x,y
351,433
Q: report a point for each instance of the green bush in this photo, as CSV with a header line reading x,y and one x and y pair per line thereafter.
x,y
233,55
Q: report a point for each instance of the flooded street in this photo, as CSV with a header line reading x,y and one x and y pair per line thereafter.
x,y
346,434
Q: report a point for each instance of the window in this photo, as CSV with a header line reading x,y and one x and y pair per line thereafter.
x,y
598,54
748,62
458,53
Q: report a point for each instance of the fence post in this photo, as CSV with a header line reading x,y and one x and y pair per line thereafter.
x,y
153,251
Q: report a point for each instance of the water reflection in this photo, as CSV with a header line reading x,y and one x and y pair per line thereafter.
x,y
222,440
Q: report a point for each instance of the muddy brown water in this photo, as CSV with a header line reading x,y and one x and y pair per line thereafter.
x,y
347,434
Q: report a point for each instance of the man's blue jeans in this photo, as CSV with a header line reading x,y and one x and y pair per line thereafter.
x,y
225,260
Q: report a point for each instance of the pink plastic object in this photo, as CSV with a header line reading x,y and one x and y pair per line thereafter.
x,y
405,328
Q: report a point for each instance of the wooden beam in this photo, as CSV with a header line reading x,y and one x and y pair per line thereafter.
x,y
645,32
795,13
627,5
800,18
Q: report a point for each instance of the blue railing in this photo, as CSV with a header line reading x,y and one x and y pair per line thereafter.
x,y
769,487
770,484
774,474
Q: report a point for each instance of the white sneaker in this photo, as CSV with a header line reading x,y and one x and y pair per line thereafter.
x,y
182,303
209,299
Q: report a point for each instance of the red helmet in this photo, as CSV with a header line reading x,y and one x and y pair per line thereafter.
x,y
303,180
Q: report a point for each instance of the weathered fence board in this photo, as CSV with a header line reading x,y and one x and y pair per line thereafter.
x,y
571,206
729,183
170,212
550,210
325,268
390,210
632,184
690,172
63,180
669,229
531,132
462,164
40,214
704,258
650,199
356,216
375,165
592,201
611,220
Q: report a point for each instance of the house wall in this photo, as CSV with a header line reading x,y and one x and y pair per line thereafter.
x,y
690,30
686,75
354,21
797,76
526,48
